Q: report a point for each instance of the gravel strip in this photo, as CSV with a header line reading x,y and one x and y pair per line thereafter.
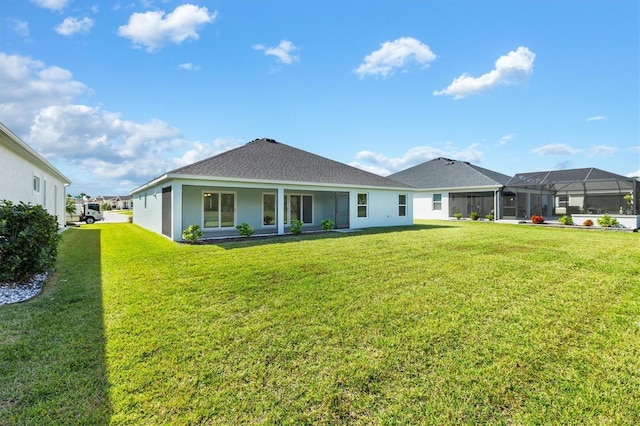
x,y
19,292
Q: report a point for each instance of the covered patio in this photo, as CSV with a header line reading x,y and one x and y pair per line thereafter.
x,y
581,191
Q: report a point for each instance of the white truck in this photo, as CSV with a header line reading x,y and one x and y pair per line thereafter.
x,y
90,212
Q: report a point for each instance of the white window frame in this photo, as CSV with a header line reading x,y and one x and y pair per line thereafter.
x,y
437,204
275,215
287,205
36,184
365,205
400,204
220,193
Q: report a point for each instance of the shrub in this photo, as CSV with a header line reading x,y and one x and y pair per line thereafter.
x,y
327,224
457,215
28,240
192,234
537,219
296,227
245,230
566,220
474,215
607,221
490,217
587,222
130,219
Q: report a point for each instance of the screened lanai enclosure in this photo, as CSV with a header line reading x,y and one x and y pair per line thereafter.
x,y
573,191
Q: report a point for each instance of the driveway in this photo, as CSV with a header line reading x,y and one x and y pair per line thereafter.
x,y
115,218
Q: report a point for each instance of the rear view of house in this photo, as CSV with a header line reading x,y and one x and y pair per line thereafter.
x,y
268,184
25,176
445,187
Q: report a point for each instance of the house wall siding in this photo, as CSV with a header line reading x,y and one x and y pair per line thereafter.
x,y
423,206
383,204
16,184
382,209
147,208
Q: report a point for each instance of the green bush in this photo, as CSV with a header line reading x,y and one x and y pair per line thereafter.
x,y
192,234
490,217
245,229
457,215
327,224
566,220
296,227
607,221
28,240
474,215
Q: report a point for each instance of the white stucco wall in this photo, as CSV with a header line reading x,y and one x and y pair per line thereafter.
x,y
423,206
382,208
17,171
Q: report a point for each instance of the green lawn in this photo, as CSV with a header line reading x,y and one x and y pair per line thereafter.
x,y
439,323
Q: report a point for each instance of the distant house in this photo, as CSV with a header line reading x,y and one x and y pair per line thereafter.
x,y
117,202
445,187
28,177
267,184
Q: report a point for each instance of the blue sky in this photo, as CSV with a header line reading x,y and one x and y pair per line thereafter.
x,y
116,93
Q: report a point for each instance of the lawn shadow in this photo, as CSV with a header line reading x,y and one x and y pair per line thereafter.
x,y
54,360
237,243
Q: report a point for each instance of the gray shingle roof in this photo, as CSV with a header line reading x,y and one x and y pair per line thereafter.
x,y
446,173
269,160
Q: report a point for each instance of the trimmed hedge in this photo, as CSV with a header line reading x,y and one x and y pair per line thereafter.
x,y
28,240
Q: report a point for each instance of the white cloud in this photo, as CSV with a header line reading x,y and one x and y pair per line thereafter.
x,y
511,68
188,67
383,165
97,149
283,52
602,151
394,55
51,4
28,85
597,118
506,138
153,30
555,149
20,27
634,174
635,148
72,25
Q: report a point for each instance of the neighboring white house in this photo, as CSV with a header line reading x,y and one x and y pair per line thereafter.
x,y
28,177
268,184
445,187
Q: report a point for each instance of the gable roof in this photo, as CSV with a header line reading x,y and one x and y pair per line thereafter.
x,y
446,173
269,160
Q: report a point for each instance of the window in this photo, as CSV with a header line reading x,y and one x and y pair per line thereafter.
x,y
437,201
362,205
36,184
218,210
298,207
268,209
563,201
402,205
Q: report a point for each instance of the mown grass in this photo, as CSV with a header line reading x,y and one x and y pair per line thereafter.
x,y
440,323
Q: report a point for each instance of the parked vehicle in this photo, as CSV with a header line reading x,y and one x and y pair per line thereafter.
x,y
91,212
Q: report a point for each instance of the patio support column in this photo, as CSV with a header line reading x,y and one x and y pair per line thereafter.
x,y
176,211
280,210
